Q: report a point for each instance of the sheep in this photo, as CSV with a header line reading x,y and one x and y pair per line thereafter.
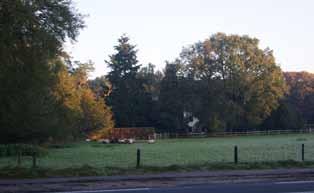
x,y
151,141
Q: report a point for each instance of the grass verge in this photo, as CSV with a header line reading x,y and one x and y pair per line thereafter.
x,y
86,170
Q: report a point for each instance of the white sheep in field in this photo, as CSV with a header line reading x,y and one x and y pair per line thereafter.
x,y
106,141
122,140
100,140
151,141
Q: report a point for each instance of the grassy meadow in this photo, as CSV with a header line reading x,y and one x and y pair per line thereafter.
x,y
169,152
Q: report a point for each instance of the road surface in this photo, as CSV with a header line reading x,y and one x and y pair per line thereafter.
x,y
269,187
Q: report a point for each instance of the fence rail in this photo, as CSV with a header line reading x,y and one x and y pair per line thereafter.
x,y
233,133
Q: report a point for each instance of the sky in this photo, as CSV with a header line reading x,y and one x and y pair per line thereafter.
x,y
161,28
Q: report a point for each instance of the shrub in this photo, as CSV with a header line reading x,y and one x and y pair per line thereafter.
x,y
124,133
7,150
135,133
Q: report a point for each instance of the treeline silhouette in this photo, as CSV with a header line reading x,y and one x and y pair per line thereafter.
x,y
223,82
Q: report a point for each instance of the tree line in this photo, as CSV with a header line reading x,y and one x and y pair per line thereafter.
x,y
225,82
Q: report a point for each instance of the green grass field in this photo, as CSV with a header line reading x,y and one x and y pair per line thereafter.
x,y
180,152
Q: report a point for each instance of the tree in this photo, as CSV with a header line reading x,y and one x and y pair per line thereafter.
x,y
101,86
242,83
82,110
128,98
301,93
67,105
284,117
151,80
97,116
31,35
170,101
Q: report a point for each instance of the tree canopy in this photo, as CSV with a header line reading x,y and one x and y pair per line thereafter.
x,y
301,93
240,79
224,82
41,98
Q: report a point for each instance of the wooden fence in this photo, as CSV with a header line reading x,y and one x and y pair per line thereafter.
x,y
232,134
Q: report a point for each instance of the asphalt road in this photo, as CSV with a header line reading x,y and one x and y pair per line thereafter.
x,y
275,187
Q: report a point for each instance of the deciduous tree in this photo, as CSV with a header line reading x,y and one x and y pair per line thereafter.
x,y
32,34
242,82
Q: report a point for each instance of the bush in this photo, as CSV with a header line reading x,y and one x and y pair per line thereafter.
x,y
135,133
60,146
124,133
7,150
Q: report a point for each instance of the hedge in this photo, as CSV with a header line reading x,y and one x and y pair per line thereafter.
x,y
7,150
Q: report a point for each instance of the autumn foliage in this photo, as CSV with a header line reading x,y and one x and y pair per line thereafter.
x,y
301,93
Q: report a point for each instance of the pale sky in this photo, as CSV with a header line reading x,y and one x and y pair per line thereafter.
x,y
160,28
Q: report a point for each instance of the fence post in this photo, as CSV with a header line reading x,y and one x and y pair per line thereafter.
x,y
34,160
235,154
138,158
302,152
19,155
